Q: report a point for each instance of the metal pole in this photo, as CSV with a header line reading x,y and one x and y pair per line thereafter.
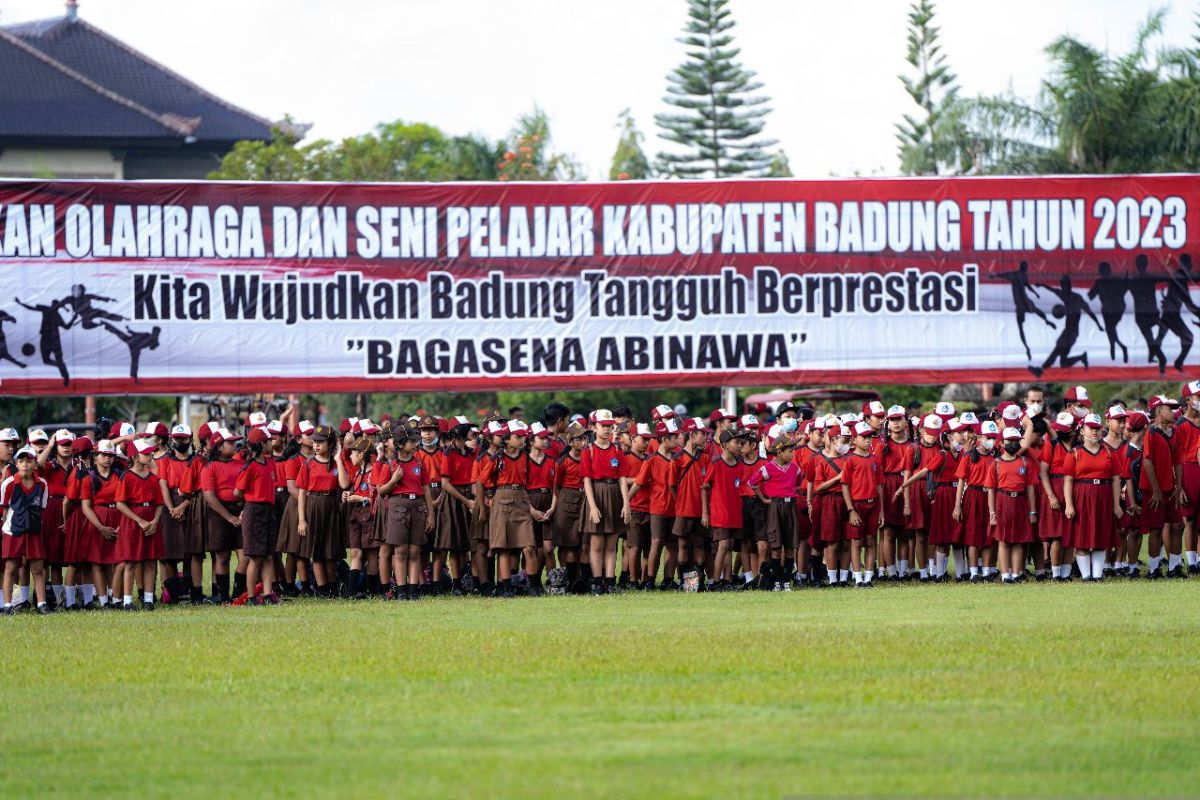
x,y
729,399
185,409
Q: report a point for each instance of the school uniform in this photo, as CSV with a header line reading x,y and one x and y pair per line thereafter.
x,y
639,507
174,532
322,510
976,517
360,509
433,466
143,496
259,530
654,477
1011,480
288,539
541,493
724,482
24,512
862,475
804,528
1123,456
102,492
407,512
1054,524
77,529
894,459
220,478
604,466
944,530
454,528
920,498
479,517
829,508
53,535
566,526
778,483
754,511
282,494
1184,444
195,539
1156,448
510,525
1095,527
687,473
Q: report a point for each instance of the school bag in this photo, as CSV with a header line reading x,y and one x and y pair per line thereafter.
x,y
556,582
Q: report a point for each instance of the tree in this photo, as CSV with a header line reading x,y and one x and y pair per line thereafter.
x,y
629,162
779,166
929,141
529,156
720,117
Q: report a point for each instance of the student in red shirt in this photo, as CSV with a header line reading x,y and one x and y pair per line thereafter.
x,y
828,505
775,486
1093,499
454,533
218,481
1160,510
721,505
169,471
862,493
297,567
1136,426
410,516
510,522
255,488
77,529
1186,446
687,473
566,523
1055,463
1011,498
895,460
1117,446
139,534
753,542
98,495
929,460
605,486
357,475
542,473
637,540
53,466
319,510
655,479
976,478
23,498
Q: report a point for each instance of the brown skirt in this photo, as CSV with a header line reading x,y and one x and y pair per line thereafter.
x,y
453,531
541,500
174,531
326,526
223,537
566,526
609,502
510,526
258,529
195,541
288,540
479,520
379,520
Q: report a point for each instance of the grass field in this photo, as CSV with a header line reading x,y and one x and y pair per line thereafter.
x,y
950,690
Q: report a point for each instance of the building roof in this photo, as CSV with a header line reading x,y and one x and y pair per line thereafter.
x,y
63,78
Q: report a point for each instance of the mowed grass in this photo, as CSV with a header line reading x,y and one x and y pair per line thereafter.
x,y
949,690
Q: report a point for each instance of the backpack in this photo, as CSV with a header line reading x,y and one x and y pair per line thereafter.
x,y
556,582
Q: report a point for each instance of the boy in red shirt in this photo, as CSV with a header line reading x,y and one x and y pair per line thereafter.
x,y
721,504
687,474
23,498
654,480
1160,511
637,540
862,492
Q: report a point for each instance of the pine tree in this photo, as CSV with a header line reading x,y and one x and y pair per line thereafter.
x,y
629,162
720,117
928,141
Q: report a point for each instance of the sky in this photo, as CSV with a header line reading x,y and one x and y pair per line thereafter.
x,y
474,66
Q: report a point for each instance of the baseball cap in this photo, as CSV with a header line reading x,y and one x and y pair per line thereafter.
x,y
323,433
275,429
724,437
848,418
602,416
143,445
1117,412
1137,421
1190,389
783,407
256,420
81,446
575,431
954,424
207,430
460,420
1065,421
873,408
9,435
26,452
968,418
38,435
1161,400
497,428
820,422
305,428
863,429
122,429
1093,421
181,432
666,427
643,429
749,421
721,413
156,429
517,428
662,412
538,429
425,422
63,436
990,429
945,410
1012,433
1078,394
896,412
257,436
933,423
106,447
1011,413
692,424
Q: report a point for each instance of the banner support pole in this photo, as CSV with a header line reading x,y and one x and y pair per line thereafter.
x,y
729,399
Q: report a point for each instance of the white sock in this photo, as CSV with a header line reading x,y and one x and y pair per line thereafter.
x,y
843,575
69,596
103,600
22,594
749,577
1005,576
89,592
1097,563
1085,565
857,577
867,576
42,604
941,560
1120,565
147,597
1172,561
57,588
903,568
974,572
924,573
890,570
960,561
1191,558
831,576
127,600
1153,562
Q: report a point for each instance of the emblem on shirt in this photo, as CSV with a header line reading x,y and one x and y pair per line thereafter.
x,y
613,462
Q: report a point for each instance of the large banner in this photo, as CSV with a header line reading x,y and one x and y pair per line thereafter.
x,y
110,287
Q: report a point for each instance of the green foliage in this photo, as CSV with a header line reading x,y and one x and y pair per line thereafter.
x,y
629,162
529,155
779,167
720,117
929,140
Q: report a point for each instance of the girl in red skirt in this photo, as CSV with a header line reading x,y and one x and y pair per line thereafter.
x,y
54,467
98,493
1093,500
1053,524
972,505
139,535
895,457
23,499
1013,505
929,462
76,530
827,504
862,493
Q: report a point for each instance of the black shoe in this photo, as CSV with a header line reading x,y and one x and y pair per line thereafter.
x,y
975,579
7,611
148,606
1008,580
1177,573
506,591
1154,575
1040,577
213,600
1132,574
92,606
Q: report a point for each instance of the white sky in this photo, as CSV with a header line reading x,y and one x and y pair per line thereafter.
x,y
474,65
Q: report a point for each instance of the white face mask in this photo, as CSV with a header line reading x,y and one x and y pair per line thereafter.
x,y
1195,402
1079,411
986,444
956,446
1033,409
843,449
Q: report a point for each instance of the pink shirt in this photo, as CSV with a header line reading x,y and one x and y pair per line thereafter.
x,y
776,481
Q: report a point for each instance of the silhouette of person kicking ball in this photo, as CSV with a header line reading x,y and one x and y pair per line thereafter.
x,y
90,316
49,336
136,341
4,354
1145,309
1072,309
1022,303
1177,297
1111,292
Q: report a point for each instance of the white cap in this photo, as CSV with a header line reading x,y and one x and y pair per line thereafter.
x,y
226,436
932,422
774,432
461,420
748,421
9,435
181,432
538,429
1117,412
954,424
896,412
968,418
62,436
1012,433
1065,419
989,429
875,409
305,427
863,429
143,445
257,420
845,430
945,409
1093,421
664,411
643,430
819,422
26,451
849,418
496,427
603,416
106,446
517,427
127,429
1012,413
275,428
38,435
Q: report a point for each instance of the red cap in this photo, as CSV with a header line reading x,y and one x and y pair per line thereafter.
x,y
257,436
1137,421
81,446
873,408
1078,394
444,425
665,428
689,425
345,426
721,413
1161,400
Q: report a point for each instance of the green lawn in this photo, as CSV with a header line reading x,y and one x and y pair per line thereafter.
x,y
947,690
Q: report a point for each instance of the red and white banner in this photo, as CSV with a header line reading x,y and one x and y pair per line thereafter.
x,y
113,287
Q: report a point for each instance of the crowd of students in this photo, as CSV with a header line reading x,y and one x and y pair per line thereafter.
x,y
423,506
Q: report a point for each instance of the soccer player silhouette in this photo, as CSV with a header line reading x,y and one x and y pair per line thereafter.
x,y
136,341
1145,309
81,303
1111,292
1177,297
1022,303
4,354
1071,310
49,336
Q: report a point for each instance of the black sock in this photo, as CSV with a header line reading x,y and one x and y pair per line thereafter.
x,y
789,566
355,580
373,585
239,583
221,586
197,594
597,583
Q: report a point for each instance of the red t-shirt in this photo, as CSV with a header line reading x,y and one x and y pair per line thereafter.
x,y
1095,466
802,460
933,459
725,493
55,477
135,490
381,473
687,473
775,480
1057,456
861,474
456,466
633,468
505,470
655,475
75,484
362,479
1120,457
750,468
414,476
257,482
1012,476
318,477
433,463
220,477
601,463
568,474
976,473
1157,450
106,495
1185,441
895,457
541,476
821,471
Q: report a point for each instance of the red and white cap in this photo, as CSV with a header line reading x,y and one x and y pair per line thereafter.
x,y
1190,389
873,408
945,410
1012,413
25,452
969,420
9,435
1065,421
863,429
896,412
849,418
603,417
989,429
143,446
662,412
275,429
256,420
721,413
106,447
181,432
807,427
643,429
1093,421
38,436
750,421
1012,434
1138,420
122,429
933,423
497,428
538,429
1117,412
208,429
156,429
517,428
773,433
954,424
460,420
666,427
305,427
691,424
63,436
1162,400
845,430
226,436
366,426
820,422
1078,394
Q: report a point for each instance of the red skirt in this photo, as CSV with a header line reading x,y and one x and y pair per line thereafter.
x,y
893,510
77,537
133,544
101,550
829,517
53,536
1054,524
1095,527
868,512
26,546
976,520
1190,480
943,529
1012,518
922,506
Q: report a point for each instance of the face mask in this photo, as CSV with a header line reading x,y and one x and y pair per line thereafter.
x,y
789,424
843,449
986,444
1079,411
1012,448
182,447
1195,402
1033,409
956,446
